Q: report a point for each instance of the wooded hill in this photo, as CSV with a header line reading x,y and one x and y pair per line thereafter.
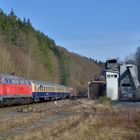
x,y
31,53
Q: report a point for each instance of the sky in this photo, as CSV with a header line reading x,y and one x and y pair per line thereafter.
x,y
100,29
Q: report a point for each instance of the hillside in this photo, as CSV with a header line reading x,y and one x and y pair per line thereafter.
x,y
33,54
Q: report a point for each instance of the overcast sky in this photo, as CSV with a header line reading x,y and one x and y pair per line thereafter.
x,y
99,29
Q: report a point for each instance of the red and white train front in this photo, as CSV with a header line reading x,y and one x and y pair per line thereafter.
x,y
14,88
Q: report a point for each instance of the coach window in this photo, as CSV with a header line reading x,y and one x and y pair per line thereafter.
x,y
41,87
35,87
48,89
38,88
44,88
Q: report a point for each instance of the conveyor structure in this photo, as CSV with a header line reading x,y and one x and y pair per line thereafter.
x,y
120,82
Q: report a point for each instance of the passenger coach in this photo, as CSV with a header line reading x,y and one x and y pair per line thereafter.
x,y
44,90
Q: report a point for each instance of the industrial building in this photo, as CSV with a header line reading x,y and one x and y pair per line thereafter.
x,y
120,82
112,84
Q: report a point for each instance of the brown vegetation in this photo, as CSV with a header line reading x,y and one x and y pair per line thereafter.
x,y
8,123
108,123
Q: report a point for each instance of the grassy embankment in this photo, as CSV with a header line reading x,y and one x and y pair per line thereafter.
x,y
106,123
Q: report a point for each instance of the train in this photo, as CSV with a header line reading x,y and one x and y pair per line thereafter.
x,y
14,89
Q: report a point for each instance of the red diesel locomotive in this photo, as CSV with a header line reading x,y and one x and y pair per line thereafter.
x,y
14,89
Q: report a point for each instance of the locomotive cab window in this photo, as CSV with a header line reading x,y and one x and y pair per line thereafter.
x,y
7,81
3,80
13,81
29,83
10,81
22,81
26,82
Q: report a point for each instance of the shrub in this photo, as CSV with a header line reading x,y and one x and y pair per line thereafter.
x,y
105,100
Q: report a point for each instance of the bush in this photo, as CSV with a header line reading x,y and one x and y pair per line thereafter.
x,y
105,100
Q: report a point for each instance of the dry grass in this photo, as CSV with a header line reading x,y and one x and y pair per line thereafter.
x,y
108,124
8,123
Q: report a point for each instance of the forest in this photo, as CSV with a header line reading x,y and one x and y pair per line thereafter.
x,y
30,53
